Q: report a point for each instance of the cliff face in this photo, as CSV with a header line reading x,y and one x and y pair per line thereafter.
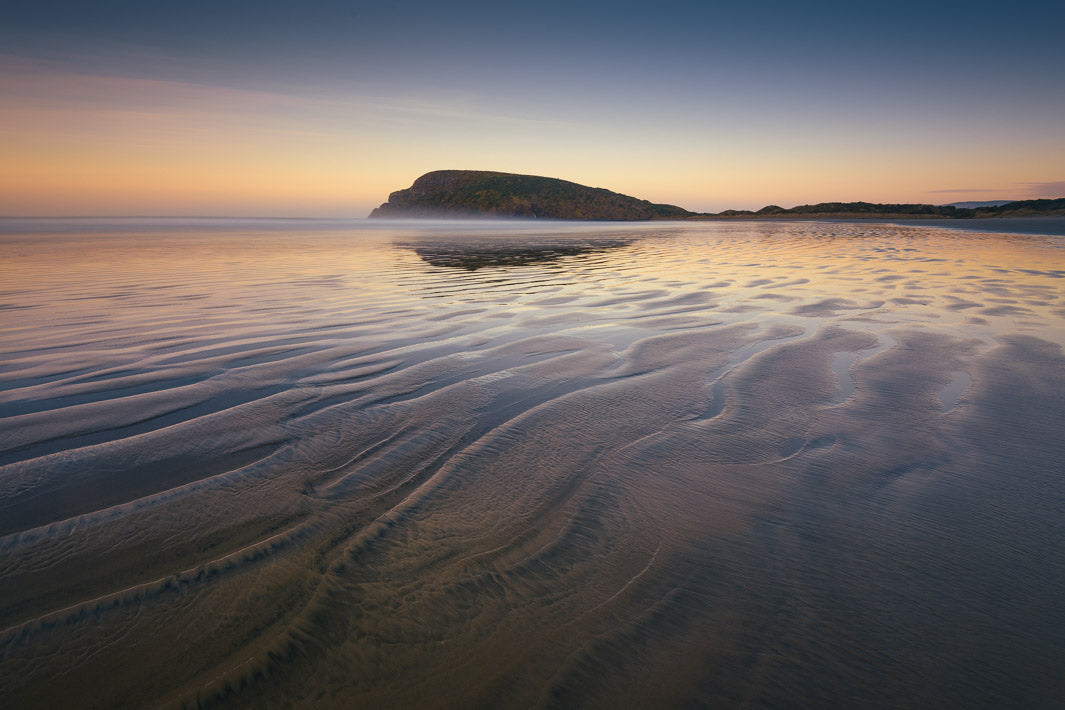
x,y
470,193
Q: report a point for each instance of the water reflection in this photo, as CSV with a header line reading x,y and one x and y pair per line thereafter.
x,y
663,465
476,253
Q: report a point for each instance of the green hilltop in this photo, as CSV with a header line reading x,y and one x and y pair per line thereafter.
x,y
471,193
480,193
1020,208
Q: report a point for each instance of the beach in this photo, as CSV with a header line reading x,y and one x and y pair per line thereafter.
x,y
301,463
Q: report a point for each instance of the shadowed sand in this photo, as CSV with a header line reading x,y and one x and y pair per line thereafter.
x,y
705,464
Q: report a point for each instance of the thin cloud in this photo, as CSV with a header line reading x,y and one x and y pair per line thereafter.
x,y
56,90
1045,189
964,189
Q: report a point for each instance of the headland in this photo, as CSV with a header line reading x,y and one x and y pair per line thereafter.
x,y
480,193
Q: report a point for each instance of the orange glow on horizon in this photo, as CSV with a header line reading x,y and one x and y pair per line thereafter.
x,y
103,145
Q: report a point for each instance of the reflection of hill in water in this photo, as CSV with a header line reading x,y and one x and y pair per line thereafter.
x,y
477,254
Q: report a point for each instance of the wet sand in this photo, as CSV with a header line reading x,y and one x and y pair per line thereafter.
x,y
562,465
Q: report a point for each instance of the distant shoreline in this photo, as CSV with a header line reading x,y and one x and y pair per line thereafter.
x,y
482,193
1046,226
1053,225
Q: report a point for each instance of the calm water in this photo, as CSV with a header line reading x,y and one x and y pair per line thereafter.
x,y
483,465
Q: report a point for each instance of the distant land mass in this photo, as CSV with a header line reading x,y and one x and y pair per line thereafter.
x,y
870,210
480,193
978,203
471,193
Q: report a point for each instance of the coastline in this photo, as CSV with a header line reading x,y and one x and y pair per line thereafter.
x,y
1042,225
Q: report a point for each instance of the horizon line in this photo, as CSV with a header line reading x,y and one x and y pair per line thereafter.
x,y
349,218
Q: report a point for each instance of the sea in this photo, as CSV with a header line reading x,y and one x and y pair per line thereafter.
x,y
479,464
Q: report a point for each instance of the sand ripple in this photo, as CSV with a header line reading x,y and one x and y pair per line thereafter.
x,y
475,465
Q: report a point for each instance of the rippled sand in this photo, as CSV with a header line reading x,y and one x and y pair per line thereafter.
x,y
483,465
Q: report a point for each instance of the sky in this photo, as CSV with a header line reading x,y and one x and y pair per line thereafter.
x,y
321,109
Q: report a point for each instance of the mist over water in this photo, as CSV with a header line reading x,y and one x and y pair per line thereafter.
x,y
531,465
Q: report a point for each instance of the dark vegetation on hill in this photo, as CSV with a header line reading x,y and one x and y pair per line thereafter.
x,y
1021,208
479,193
468,193
848,208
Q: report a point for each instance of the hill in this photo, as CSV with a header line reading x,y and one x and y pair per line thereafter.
x,y
480,193
470,193
973,204
1024,208
869,210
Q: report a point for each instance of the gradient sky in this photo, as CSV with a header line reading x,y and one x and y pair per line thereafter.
x,y
279,109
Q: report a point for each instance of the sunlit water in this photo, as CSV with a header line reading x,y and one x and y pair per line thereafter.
x,y
486,465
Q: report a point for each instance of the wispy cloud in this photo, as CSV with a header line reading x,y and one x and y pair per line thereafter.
x,y
964,190
430,109
37,93
1045,189
1022,190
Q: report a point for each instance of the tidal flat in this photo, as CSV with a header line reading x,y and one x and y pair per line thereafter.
x,y
478,464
